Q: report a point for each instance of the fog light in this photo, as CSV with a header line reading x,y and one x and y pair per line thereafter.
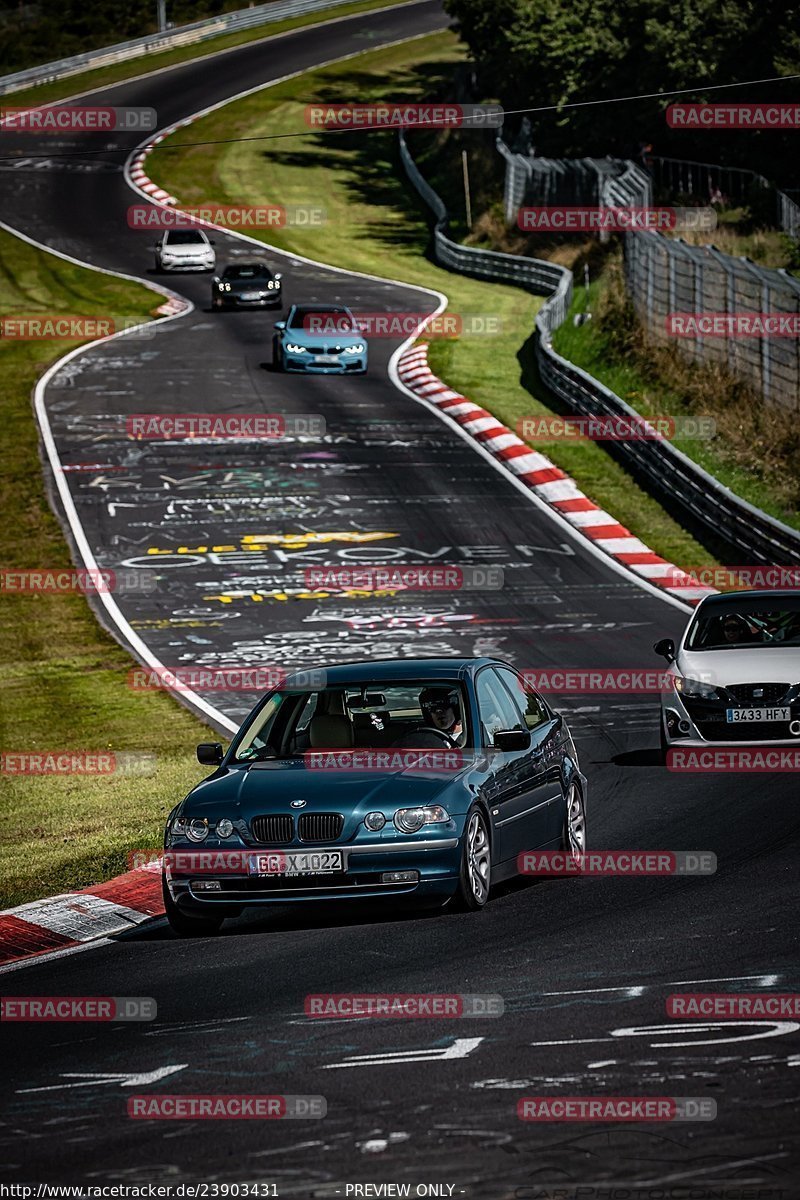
x,y
684,726
206,885
400,877
374,821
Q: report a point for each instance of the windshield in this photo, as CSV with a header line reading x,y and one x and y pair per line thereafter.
x,y
323,320
416,715
184,237
249,272
746,624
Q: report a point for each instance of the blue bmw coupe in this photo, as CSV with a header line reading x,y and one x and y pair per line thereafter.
x,y
319,339
419,778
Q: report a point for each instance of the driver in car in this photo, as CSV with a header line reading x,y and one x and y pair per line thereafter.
x,y
441,709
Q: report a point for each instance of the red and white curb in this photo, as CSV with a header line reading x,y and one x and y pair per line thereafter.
x,y
63,922
548,481
142,179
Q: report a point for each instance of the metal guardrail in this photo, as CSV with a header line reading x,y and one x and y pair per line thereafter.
x,y
752,535
186,35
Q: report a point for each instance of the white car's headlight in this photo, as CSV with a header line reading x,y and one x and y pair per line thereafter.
x,y
409,820
291,348
695,688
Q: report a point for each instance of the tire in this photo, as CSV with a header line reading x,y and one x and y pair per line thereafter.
x,y
475,876
183,923
573,833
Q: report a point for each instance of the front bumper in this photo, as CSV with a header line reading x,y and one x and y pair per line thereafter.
x,y
707,725
274,300
190,264
437,861
351,365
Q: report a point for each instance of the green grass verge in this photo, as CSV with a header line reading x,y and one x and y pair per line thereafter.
x,y
375,224
62,678
77,85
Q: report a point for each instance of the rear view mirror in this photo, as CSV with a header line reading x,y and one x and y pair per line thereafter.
x,y
210,754
512,739
666,648
368,700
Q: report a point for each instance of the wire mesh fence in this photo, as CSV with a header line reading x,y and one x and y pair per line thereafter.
x,y
714,308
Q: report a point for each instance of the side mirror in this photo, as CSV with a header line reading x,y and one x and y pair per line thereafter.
x,y
666,648
210,754
279,325
512,739
212,241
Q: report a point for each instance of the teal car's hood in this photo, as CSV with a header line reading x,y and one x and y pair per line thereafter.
x,y
256,789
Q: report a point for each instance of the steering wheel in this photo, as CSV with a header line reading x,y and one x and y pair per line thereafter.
x,y
451,743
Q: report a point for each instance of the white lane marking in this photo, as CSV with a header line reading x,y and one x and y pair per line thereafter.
x,y
460,1048
99,1078
763,1029
762,980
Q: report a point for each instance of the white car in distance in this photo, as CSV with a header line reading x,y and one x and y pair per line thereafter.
x,y
184,250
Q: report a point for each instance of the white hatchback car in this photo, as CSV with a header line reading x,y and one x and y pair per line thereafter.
x,y
185,250
736,672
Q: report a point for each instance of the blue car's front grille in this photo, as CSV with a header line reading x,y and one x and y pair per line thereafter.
x,y
320,827
272,830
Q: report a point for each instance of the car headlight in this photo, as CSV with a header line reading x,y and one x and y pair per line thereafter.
x,y
197,830
358,348
695,688
178,827
291,348
409,820
224,828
